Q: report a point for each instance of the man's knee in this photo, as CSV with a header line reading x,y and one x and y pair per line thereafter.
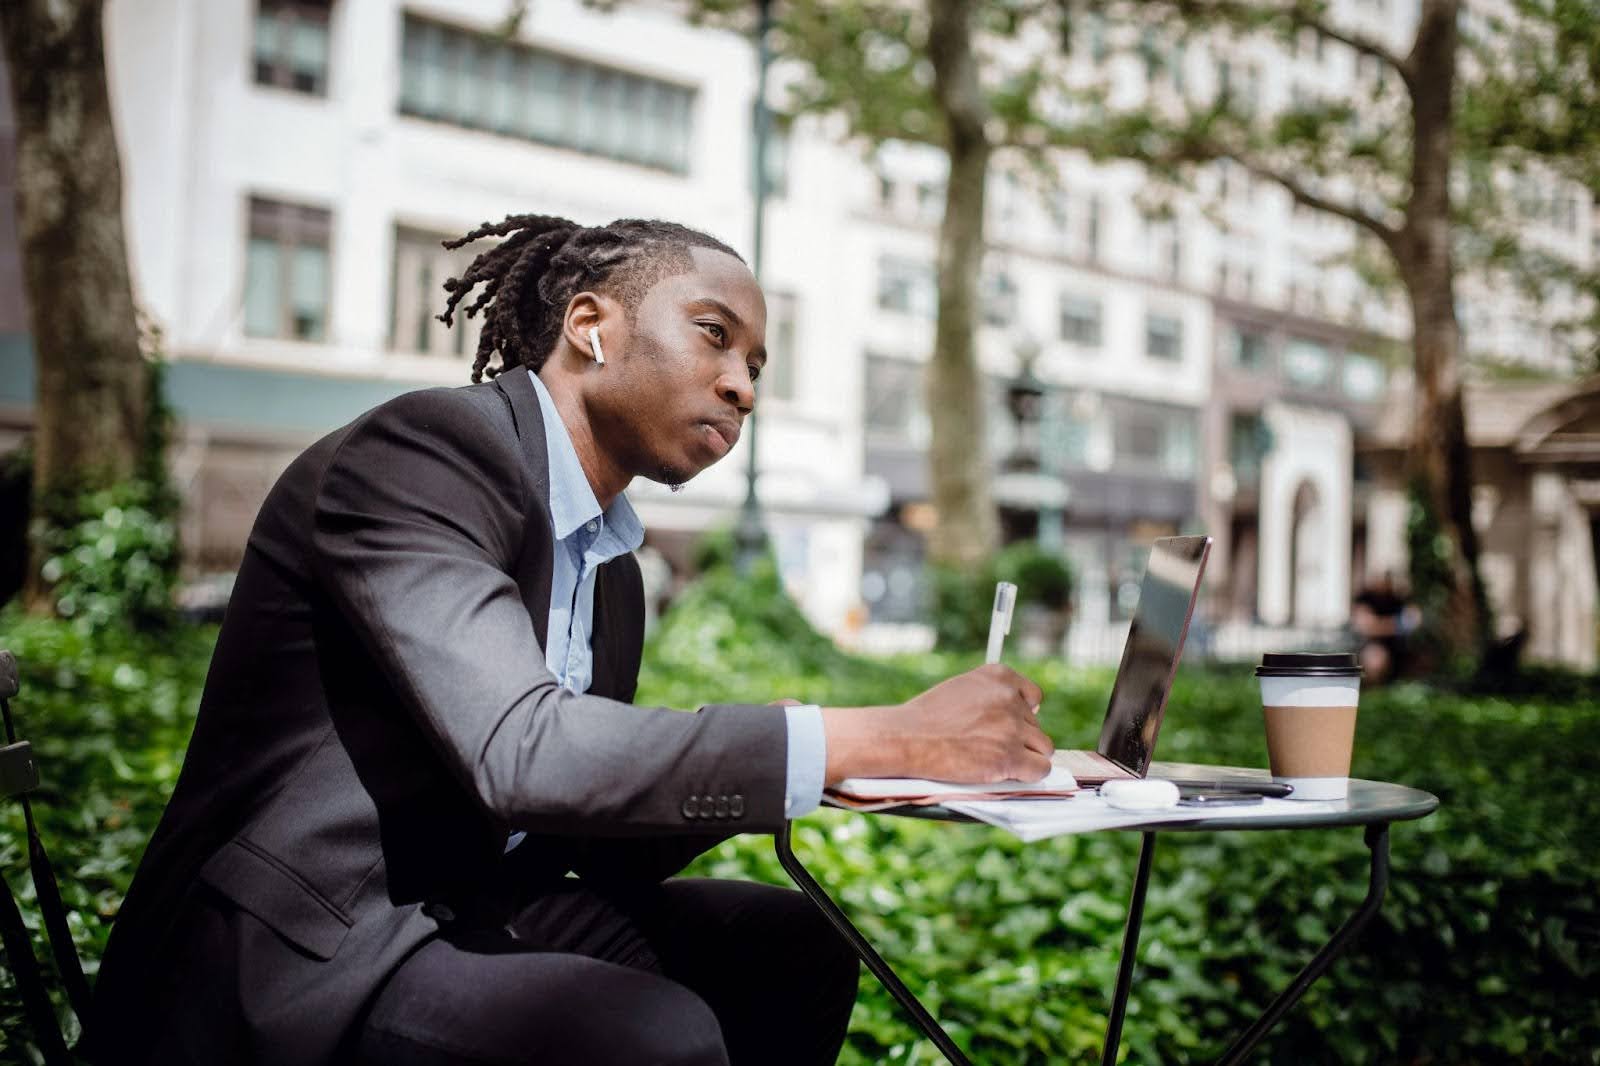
x,y
680,1030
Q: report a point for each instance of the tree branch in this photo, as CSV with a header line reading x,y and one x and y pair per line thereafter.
x,y
1296,188
1301,14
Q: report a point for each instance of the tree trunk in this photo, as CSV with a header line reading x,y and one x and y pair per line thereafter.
x,y
1439,461
966,529
91,406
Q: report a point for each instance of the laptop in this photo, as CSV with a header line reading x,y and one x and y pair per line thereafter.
x,y
1167,597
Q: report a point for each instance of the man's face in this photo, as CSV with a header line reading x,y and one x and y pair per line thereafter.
x,y
679,380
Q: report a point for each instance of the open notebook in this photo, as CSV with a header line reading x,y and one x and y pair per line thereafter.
x,y
881,793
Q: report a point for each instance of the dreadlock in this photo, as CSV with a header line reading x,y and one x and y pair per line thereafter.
x,y
529,278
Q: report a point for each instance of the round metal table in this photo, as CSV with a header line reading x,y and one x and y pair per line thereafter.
x,y
1372,804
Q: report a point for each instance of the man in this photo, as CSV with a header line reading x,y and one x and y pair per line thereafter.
x,y
417,724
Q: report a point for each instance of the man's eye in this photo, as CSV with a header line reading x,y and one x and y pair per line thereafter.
x,y
755,371
715,329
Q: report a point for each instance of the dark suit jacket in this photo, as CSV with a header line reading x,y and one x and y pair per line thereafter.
x,y
377,717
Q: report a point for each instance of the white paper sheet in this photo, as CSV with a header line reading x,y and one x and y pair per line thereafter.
x,y
1086,812
915,788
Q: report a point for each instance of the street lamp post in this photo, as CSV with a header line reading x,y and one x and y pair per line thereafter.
x,y
1024,481
750,535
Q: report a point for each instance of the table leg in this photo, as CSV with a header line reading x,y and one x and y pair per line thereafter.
x,y
919,1014
1377,838
1130,951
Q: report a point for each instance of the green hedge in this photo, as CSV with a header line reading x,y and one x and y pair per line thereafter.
x,y
1485,952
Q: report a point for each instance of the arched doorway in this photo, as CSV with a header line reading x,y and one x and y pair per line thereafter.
x,y
1306,559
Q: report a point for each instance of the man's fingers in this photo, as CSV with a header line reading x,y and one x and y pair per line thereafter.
x,y
1031,693
1032,767
1038,740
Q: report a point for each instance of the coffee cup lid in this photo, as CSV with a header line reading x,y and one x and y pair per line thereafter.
x,y
1308,664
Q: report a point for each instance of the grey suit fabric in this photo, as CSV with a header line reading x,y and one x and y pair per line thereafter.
x,y
377,717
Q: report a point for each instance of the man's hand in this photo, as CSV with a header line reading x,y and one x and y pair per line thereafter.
x,y
977,727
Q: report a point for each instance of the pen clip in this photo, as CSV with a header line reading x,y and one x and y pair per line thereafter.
x,y
1005,602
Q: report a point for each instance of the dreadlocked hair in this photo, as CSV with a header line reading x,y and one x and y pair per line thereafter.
x,y
528,279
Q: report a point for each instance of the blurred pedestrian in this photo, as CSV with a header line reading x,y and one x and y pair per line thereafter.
x,y
1383,620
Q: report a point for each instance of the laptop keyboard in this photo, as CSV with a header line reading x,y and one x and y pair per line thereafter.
x,y
1086,764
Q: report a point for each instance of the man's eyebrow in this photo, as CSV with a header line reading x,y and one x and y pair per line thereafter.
x,y
731,315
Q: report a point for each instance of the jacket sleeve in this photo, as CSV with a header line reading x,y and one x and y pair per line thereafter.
x,y
419,520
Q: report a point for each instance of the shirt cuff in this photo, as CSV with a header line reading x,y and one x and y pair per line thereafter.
x,y
808,760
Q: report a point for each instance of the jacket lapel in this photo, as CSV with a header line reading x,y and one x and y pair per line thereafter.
x,y
617,628
534,568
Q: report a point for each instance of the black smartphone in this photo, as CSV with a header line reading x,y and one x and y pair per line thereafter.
x,y
1189,798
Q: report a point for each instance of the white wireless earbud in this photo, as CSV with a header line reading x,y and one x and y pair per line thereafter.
x,y
594,343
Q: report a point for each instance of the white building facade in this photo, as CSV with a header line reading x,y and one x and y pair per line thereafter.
x,y
1209,362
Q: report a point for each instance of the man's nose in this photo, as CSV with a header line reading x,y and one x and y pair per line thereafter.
x,y
736,388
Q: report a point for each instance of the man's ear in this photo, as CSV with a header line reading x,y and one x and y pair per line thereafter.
x,y
586,311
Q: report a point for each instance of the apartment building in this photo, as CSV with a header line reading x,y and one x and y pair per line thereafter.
x,y
1207,360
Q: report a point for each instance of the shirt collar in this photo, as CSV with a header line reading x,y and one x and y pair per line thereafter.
x,y
572,501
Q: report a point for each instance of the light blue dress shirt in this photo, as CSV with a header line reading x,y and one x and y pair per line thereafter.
x,y
587,537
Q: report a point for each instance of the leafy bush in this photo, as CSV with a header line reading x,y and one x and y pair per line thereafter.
x,y
963,599
1486,951
962,603
109,715
1042,576
110,551
111,558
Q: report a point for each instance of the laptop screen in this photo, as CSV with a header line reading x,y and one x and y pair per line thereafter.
x,y
1150,658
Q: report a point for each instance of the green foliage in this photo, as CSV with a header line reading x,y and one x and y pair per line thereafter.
x,y
111,557
110,553
1484,952
1429,553
109,715
1042,576
962,603
963,600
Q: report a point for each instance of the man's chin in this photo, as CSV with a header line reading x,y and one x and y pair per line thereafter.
x,y
674,477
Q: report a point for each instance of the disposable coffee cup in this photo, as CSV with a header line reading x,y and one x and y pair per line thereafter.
x,y
1310,706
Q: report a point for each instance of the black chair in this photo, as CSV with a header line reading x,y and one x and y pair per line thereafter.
x,y
19,774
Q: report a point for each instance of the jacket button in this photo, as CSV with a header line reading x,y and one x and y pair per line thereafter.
x,y
722,806
439,912
736,805
691,807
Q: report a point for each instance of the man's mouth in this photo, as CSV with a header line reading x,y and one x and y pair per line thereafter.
x,y
720,435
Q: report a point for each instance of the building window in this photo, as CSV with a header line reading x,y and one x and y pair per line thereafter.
x,y
291,45
1092,37
1067,430
286,271
885,192
479,82
1249,350
896,412
1163,337
1307,363
1363,377
1249,441
421,267
1163,247
1152,439
1080,320
778,138
999,300
907,285
777,381
1091,236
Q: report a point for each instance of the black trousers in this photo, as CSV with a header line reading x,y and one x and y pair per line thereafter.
x,y
690,972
